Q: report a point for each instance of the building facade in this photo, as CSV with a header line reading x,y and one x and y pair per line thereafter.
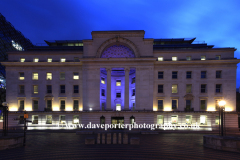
x,y
122,77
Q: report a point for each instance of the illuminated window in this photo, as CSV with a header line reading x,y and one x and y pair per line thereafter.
x,y
76,119
21,104
48,119
75,104
62,75
62,104
203,58
203,120
49,76
218,57
218,88
75,89
174,119
35,89
49,88
188,58
160,119
160,58
160,104
203,103
160,88
21,89
174,104
188,74
21,76
203,88
203,74
217,120
34,119
102,80
174,88
218,74
49,59
22,59
174,75
174,58
63,60
62,119
188,88
188,119
35,60
118,107
160,75
35,104
75,75
118,83
35,76
62,88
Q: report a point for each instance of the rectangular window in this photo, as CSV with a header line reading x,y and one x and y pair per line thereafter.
x,y
62,104
217,120
203,58
21,105
174,88
103,106
103,92
75,75
76,119
118,95
218,88
174,103
49,88
160,75
75,89
35,119
63,60
160,58
218,74
21,76
35,60
188,74
22,59
188,104
133,92
118,83
35,76
118,107
188,119
49,60
203,74
48,119
62,119
203,104
160,119
174,75
62,75
75,104
21,89
174,119
218,57
133,80
49,104
160,88
49,76
160,104
203,88
203,120
62,88
102,80
188,88
216,104
35,104
188,58
174,58
35,89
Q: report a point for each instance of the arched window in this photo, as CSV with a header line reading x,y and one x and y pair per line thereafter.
x,y
132,120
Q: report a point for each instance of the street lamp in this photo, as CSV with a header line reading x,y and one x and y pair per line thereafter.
x,y
5,118
222,107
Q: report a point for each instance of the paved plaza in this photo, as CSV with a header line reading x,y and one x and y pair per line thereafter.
x,y
46,145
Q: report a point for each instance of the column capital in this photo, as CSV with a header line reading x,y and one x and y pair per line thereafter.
x,y
126,69
108,69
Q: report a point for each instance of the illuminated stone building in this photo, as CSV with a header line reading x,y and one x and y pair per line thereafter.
x,y
121,77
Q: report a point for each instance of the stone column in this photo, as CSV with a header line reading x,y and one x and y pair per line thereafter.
x,y
109,70
126,97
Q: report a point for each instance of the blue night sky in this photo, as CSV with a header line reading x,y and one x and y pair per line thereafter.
x,y
216,22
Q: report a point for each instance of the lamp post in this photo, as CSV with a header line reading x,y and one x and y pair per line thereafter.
x,y
5,118
222,107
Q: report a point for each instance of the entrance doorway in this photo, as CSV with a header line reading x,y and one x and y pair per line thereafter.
x,y
117,120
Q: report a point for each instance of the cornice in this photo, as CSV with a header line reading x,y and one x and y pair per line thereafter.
x,y
41,64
